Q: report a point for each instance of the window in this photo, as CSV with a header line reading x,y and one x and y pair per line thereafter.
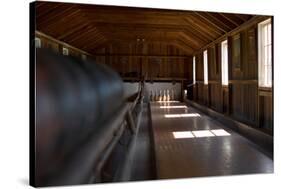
x,y
65,51
84,57
265,53
205,67
224,63
194,71
37,42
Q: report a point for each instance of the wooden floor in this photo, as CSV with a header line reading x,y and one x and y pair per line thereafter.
x,y
191,144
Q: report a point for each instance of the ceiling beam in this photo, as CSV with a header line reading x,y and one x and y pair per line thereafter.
x,y
240,17
216,21
229,19
205,37
254,20
210,22
199,29
91,27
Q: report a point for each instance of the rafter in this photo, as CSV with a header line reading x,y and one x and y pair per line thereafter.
x,y
218,21
230,20
90,27
210,22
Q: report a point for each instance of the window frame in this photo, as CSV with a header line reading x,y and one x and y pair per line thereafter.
x,y
205,66
194,69
65,51
263,72
224,63
38,43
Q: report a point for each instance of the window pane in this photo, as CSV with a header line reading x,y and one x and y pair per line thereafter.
x,y
269,33
265,54
205,67
224,62
37,42
194,71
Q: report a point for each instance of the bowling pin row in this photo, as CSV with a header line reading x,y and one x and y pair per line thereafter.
x,y
165,95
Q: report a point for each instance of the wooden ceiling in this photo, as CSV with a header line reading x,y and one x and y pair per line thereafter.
x,y
90,27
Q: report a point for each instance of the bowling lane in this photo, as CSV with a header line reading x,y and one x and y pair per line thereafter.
x,y
191,144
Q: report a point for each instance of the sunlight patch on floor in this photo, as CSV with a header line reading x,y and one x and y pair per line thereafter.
x,y
182,115
200,133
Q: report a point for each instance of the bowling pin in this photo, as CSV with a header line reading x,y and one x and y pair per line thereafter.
x,y
168,95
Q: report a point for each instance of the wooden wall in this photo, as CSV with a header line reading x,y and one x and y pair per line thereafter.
x,y
153,60
242,99
55,45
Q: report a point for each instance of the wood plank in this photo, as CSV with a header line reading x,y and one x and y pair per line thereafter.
x,y
211,22
229,19
143,56
254,20
61,42
190,157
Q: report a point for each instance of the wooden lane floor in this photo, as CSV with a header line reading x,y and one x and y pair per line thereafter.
x,y
190,144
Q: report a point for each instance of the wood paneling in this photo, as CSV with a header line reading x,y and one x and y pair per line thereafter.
x,y
200,93
236,54
90,27
158,44
266,112
199,68
134,60
56,46
215,96
242,99
147,59
244,103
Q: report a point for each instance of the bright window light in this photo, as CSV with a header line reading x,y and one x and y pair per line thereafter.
x,y
183,134
205,67
172,107
224,63
37,42
265,53
194,71
220,132
65,51
203,133
182,115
